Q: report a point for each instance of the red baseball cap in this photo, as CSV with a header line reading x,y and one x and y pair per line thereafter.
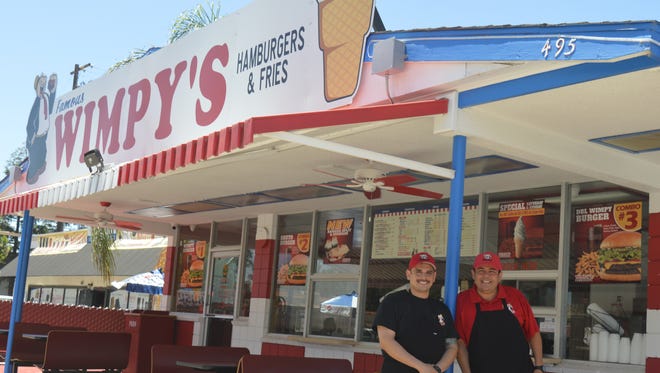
x,y
421,258
487,259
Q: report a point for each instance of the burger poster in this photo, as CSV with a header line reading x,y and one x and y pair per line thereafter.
x,y
607,245
189,296
521,229
293,258
338,241
192,256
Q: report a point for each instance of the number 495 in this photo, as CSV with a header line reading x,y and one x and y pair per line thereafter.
x,y
561,46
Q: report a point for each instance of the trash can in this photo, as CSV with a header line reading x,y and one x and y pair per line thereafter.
x,y
147,328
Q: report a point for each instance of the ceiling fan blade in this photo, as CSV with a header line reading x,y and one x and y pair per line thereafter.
x,y
416,192
397,179
74,218
372,195
382,185
354,185
132,225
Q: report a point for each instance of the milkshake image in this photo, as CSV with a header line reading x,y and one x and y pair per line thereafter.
x,y
519,237
343,25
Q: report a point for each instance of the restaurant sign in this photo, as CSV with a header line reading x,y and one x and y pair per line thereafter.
x,y
271,57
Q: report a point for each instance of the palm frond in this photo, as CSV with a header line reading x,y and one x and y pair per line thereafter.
x,y
192,20
135,55
102,254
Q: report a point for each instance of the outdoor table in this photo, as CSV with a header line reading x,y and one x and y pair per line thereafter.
x,y
219,367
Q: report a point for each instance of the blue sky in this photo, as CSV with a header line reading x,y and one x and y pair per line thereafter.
x,y
52,36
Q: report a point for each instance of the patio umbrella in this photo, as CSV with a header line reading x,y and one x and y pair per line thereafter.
x,y
147,282
342,305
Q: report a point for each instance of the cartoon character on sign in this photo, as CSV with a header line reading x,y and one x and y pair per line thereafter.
x,y
38,125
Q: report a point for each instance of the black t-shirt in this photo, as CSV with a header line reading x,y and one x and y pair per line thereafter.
x,y
421,327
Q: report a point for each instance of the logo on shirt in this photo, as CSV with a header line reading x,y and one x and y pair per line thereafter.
x,y
441,320
510,306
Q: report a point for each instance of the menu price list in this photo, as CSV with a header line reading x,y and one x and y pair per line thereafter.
x,y
399,233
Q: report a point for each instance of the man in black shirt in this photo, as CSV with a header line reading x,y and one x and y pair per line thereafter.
x,y
416,333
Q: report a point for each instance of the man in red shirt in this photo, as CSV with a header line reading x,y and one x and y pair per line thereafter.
x,y
495,324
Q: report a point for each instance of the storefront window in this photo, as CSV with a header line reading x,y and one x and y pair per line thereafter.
x,y
334,308
334,274
192,250
538,293
607,274
292,259
400,230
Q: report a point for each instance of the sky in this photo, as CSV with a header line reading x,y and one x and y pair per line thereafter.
x,y
53,36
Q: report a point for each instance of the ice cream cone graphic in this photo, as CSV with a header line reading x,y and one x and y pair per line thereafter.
x,y
343,25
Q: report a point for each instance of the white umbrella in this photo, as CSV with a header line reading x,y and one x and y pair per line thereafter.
x,y
147,282
342,305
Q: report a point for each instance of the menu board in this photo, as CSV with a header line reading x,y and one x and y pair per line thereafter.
x,y
607,245
398,233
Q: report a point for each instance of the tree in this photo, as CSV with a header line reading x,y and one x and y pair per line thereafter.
x,y
185,23
102,255
192,20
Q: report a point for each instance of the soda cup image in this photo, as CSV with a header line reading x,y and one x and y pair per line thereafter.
x,y
343,25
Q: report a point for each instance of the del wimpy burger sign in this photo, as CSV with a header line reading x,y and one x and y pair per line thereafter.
x,y
607,245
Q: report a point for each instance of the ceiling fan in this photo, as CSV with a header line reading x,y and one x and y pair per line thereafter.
x,y
105,219
372,181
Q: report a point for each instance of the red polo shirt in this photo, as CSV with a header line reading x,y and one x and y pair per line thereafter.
x,y
466,310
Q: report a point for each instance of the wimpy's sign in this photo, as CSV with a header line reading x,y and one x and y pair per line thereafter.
x,y
262,60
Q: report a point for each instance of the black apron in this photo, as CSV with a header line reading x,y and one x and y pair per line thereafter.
x,y
498,344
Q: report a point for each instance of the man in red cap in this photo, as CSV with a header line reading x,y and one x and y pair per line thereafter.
x,y
495,324
416,332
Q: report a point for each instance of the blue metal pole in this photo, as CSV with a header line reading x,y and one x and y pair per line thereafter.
x,y
455,226
455,223
19,284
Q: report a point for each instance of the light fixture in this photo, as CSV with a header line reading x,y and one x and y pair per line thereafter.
x,y
192,227
93,158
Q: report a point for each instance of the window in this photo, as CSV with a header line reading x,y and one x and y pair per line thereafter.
x,y
607,277
325,257
414,227
292,259
192,251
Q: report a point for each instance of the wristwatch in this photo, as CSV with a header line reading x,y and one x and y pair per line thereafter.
x,y
437,368
539,367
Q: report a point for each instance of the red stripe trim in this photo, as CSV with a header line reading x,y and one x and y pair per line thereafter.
x,y
236,136
212,145
19,203
191,150
200,153
224,140
180,156
242,134
291,122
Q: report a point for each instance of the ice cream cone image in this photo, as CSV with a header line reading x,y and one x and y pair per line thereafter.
x,y
519,245
343,25
519,238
